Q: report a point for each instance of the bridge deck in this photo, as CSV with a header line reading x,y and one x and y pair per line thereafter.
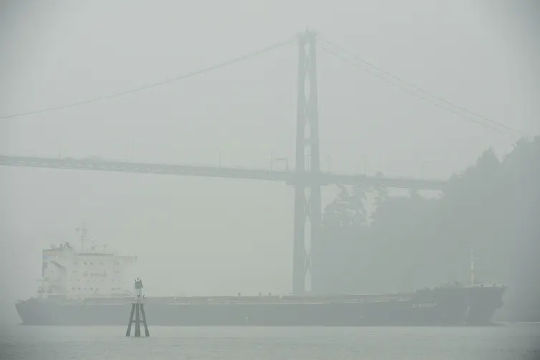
x,y
289,177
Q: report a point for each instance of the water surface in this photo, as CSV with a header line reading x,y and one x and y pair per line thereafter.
x,y
509,341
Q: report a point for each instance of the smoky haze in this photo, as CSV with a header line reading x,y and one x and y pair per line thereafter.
x,y
213,236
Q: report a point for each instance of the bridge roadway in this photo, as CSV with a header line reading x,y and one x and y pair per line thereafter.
x,y
286,176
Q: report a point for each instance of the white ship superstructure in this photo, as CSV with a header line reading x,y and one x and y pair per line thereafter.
x,y
88,273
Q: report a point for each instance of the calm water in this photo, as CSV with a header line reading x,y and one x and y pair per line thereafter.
x,y
511,341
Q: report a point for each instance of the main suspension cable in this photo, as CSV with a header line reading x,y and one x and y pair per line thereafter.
x,y
153,84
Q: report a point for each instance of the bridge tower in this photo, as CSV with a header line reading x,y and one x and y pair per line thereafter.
x,y
307,200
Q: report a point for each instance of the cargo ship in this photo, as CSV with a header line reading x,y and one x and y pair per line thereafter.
x,y
94,287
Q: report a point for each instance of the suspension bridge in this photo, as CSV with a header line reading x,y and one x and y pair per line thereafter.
x,y
306,178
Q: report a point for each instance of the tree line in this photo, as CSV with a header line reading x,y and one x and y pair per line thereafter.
x,y
488,213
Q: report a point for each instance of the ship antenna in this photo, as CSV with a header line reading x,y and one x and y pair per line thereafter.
x,y
84,234
473,280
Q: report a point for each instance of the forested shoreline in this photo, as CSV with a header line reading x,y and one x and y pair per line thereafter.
x,y
489,211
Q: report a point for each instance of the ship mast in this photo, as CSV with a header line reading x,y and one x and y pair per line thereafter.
x,y
84,235
472,274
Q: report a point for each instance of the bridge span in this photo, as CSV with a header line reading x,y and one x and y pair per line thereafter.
x,y
285,176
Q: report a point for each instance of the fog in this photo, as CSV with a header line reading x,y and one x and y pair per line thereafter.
x,y
211,236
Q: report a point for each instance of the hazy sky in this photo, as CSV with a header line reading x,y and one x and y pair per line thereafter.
x,y
221,236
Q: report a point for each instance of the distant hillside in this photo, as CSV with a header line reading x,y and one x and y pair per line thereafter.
x,y
492,209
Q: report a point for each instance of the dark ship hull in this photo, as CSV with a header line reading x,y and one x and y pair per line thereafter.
x,y
440,306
